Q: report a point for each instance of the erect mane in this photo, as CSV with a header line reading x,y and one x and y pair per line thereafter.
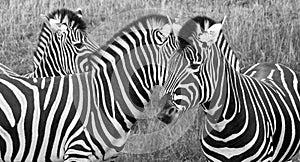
x,y
73,20
153,21
204,21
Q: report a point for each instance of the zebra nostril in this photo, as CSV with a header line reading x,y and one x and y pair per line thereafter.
x,y
160,116
171,111
164,118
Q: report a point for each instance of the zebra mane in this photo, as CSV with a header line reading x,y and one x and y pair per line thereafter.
x,y
152,21
204,21
73,20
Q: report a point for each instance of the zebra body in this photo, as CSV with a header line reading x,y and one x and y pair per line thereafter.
x,y
250,116
86,116
39,127
262,111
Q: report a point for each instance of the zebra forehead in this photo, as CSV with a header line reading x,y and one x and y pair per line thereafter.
x,y
69,17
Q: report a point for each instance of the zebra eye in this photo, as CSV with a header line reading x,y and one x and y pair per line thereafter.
x,y
79,45
161,38
194,66
59,33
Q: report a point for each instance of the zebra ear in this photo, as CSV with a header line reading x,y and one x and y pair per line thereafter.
x,y
223,20
171,28
57,26
44,17
210,36
176,28
54,24
50,21
166,30
78,12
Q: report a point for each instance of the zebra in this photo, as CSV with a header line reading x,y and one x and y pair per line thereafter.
x,y
42,63
86,116
62,40
249,116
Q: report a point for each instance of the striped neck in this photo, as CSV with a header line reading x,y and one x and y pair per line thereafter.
x,y
43,41
228,52
133,70
220,106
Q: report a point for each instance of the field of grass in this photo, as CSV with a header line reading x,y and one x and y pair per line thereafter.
x,y
259,31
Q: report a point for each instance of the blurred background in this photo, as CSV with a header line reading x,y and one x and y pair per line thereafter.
x,y
258,31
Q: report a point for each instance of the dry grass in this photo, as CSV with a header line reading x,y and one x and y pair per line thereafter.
x,y
259,31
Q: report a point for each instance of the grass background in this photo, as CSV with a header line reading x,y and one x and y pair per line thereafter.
x,y
258,30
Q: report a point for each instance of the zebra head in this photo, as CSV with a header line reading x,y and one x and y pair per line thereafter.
x,y
63,39
192,75
139,55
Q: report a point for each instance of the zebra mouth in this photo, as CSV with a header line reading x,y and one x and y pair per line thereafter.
x,y
164,118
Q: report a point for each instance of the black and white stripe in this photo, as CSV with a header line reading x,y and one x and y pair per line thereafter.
x,y
63,39
250,116
86,116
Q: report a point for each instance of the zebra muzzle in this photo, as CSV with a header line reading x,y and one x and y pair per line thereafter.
x,y
169,110
167,116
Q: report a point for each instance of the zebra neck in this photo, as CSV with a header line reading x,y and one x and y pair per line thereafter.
x,y
221,108
101,120
228,52
43,40
130,81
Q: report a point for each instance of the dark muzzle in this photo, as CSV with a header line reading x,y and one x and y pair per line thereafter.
x,y
168,111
